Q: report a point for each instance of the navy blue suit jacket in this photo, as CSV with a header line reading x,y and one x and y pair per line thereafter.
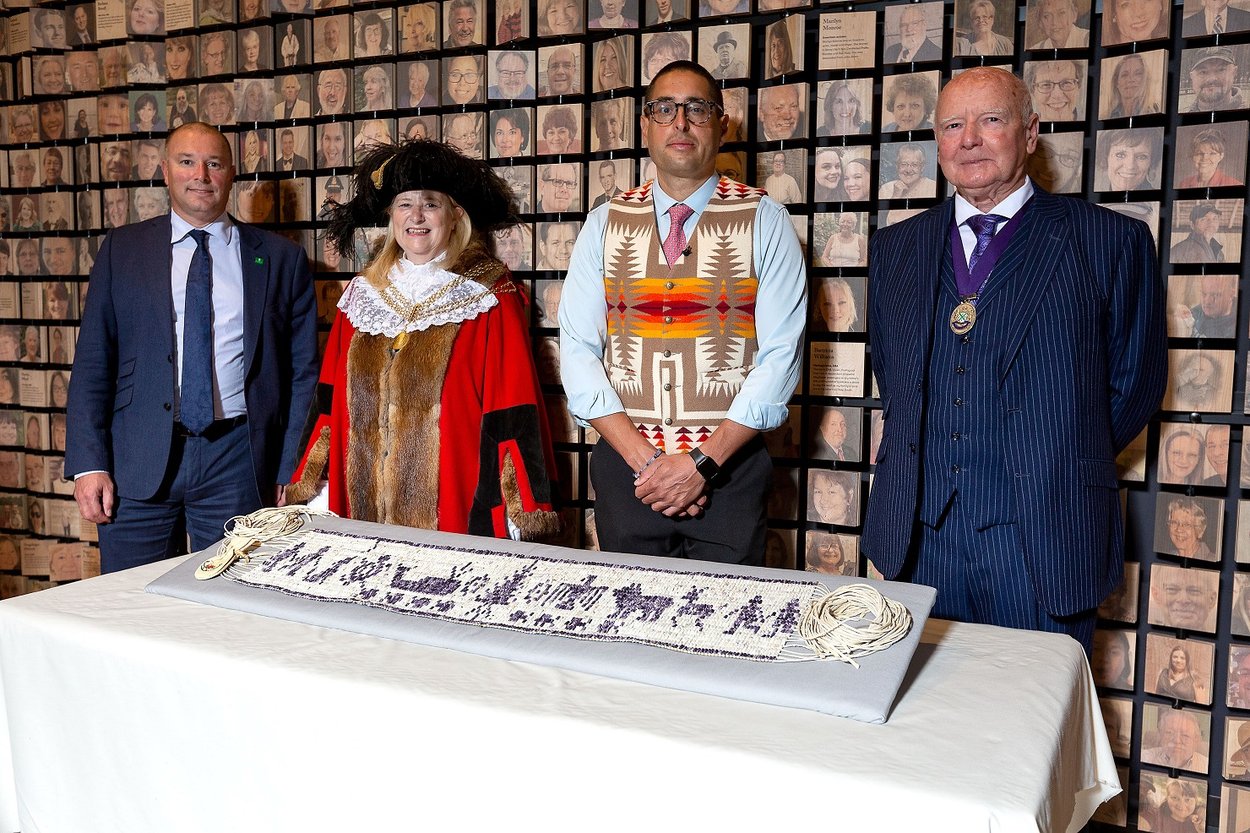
x,y
1080,374
122,388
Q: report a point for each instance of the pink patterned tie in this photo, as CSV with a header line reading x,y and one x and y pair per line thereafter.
x,y
675,243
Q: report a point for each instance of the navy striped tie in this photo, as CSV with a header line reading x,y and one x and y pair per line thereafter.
x,y
197,340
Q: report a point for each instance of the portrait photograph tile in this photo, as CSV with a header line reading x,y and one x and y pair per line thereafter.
x,y
419,26
725,50
1129,159
554,241
1192,454
463,24
609,178
836,433
1057,24
612,64
612,14
1202,306
1199,380
985,27
1174,739
909,100
1135,21
783,47
463,80
1213,78
511,75
839,240
1133,85
1189,526
511,133
561,69
913,33
1211,155
908,170
466,132
783,174
1114,658
832,553
1179,669
660,12
1183,597
561,18
332,35
1058,88
836,304
512,23
612,125
844,107
833,497
782,111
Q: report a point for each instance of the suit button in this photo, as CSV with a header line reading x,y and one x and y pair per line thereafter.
x,y
960,369
668,420
954,469
668,386
965,339
170,358
920,386
669,285
168,406
668,319
959,403
912,447
955,436
668,353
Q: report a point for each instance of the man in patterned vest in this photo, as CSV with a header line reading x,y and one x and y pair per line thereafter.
x,y
681,333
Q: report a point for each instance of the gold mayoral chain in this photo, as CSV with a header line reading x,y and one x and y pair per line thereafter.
x,y
964,315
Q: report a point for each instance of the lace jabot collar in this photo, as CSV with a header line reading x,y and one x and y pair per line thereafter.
x,y
420,296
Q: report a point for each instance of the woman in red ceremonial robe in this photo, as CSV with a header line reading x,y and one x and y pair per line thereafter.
x,y
429,412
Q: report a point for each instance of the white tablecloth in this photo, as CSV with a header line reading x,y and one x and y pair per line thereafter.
x,y
124,711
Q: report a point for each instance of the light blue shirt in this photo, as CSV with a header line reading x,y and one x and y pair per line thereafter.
x,y
223,246
780,314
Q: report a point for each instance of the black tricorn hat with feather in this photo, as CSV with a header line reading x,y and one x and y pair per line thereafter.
x,y
420,165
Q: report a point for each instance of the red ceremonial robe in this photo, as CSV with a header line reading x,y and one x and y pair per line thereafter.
x,y
446,433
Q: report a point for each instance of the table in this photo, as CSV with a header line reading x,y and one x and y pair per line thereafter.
x,y
125,711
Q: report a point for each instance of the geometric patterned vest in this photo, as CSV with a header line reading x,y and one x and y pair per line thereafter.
x,y
681,340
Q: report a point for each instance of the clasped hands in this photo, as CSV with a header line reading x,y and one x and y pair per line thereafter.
x,y
671,485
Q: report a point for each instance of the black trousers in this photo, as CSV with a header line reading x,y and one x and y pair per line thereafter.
x,y
729,530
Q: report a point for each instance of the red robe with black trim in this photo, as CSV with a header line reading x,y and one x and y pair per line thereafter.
x,y
446,433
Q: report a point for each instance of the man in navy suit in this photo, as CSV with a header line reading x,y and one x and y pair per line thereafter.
x,y
1014,363
156,453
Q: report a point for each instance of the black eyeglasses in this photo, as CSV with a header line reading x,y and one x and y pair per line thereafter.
x,y
664,111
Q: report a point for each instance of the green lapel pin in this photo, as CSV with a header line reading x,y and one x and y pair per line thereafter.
x,y
259,261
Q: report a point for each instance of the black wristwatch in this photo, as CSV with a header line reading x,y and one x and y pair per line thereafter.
x,y
708,468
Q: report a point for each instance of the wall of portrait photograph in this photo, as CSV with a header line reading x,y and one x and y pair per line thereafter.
x,y
1144,108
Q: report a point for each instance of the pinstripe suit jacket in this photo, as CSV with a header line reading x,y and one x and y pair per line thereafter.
x,y
1080,373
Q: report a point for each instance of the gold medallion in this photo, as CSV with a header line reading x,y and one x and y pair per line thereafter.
x,y
963,317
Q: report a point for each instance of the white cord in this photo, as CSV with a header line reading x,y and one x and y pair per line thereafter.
x,y
851,621
244,533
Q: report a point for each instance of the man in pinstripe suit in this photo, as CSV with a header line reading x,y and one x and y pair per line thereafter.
x,y
1014,363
